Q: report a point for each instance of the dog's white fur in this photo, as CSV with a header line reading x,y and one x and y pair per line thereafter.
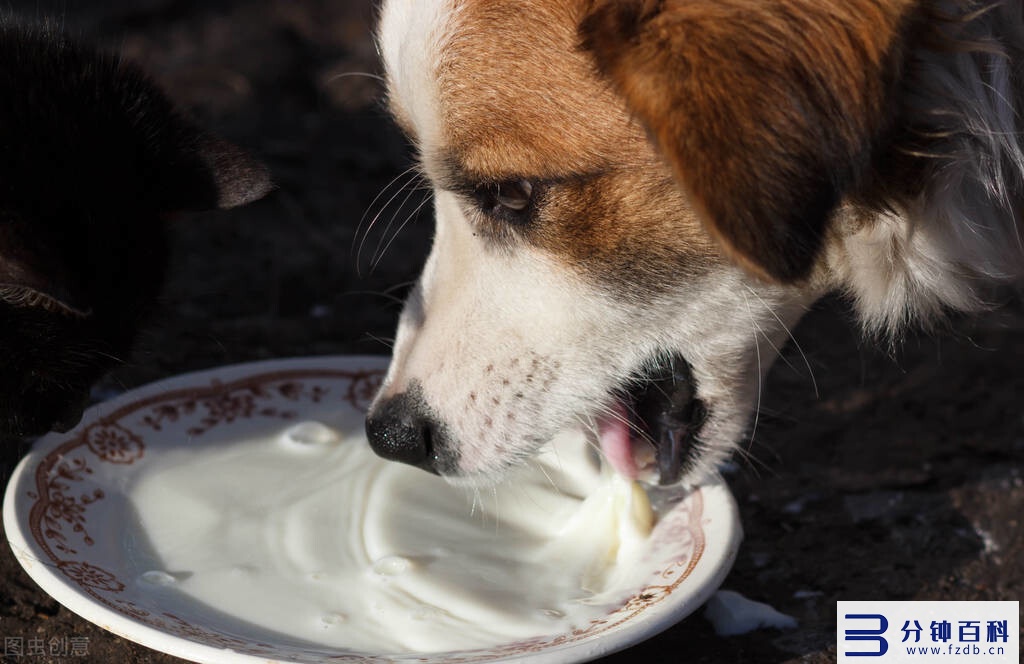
x,y
510,346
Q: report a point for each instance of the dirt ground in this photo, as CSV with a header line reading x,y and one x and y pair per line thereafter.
x,y
873,474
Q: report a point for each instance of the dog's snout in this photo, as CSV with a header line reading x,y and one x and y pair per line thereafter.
x,y
402,429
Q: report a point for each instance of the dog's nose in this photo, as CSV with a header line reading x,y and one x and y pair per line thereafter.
x,y
400,429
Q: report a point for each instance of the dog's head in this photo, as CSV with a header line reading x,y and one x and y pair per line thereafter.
x,y
633,203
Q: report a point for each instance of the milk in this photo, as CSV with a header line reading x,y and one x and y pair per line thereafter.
x,y
305,532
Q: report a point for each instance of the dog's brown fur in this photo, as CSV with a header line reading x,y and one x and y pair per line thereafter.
x,y
771,113
500,126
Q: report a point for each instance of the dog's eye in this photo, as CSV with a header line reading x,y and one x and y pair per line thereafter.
x,y
511,196
514,195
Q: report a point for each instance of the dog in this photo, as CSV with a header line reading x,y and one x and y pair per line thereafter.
x,y
637,200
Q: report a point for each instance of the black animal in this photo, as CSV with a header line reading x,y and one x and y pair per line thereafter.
x,y
94,160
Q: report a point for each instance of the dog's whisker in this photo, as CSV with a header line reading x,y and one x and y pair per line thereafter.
x,y
476,502
789,333
355,74
415,176
497,516
554,485
754,463
399,286
387,342
409,192
384,294
405,187
630,425
394,235
356,244
590,434
778,351
760,377
472,493
751,461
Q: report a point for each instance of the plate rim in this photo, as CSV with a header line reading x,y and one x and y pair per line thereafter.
x,y
658,617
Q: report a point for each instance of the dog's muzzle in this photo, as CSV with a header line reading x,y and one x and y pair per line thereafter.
x,y
403,428
659,407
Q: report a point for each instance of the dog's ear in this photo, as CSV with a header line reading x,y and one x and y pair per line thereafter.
x,y
768,112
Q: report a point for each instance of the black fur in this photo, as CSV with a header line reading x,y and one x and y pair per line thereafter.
x,y
93,160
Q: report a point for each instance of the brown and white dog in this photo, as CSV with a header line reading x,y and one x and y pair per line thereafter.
x,y
637,199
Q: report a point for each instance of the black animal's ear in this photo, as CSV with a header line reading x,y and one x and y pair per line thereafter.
x,y
238,177
29,279
768,112
203,172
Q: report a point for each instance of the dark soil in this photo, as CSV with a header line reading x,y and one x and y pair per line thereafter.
x,y
873,474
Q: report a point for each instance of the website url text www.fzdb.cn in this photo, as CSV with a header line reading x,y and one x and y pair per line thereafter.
x,y
952,649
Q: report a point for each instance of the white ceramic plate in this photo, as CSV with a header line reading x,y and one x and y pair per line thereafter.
x,y
65,515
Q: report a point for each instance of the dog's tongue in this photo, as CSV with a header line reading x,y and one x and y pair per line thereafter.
x,y
614,438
